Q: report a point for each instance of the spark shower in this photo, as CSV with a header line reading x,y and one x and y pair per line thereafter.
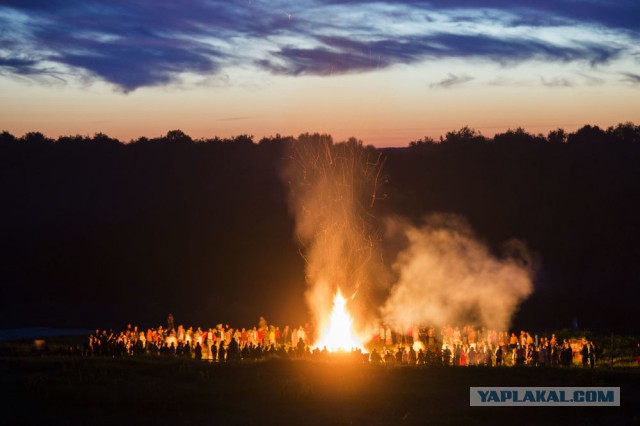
x,y
439,272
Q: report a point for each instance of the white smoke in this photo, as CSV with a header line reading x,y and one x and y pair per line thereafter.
x,y
446,276
333,189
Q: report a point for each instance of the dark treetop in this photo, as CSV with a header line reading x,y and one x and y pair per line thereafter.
x,y
98,232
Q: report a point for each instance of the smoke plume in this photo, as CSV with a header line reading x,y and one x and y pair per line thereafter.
x,y
446,276
333,191
443,273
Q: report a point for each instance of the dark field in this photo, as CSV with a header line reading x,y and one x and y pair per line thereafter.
x,y
53,390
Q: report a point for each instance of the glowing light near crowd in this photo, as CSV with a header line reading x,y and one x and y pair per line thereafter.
x,y
338,334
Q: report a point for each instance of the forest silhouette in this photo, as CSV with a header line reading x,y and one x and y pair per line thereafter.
x,y
97,232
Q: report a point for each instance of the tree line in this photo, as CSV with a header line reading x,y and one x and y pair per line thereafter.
x,y
623,133
97,231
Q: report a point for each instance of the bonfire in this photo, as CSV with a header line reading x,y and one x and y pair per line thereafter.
x,y
338,334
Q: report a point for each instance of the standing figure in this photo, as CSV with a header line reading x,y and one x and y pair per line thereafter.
x,y
170,322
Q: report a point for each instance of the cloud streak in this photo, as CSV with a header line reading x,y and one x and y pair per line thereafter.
x,y
630,77
451,81
156,42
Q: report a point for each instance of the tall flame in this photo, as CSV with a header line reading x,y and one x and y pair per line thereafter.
x,y
338,333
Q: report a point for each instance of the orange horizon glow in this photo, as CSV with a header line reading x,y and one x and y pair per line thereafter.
x,y
401,109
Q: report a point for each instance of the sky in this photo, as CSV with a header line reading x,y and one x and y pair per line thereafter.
x,y
386,72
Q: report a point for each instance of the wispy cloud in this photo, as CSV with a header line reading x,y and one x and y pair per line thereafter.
x,y
557,82
451,81
155,42
20,66
591,80
30,70
630,77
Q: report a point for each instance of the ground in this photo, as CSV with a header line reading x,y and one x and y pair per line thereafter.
x,y
74,390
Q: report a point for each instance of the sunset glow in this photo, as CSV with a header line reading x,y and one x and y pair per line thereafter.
x,y
384,72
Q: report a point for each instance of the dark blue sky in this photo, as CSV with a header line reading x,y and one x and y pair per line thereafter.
x,y
133,44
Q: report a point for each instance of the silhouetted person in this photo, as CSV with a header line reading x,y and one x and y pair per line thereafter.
x,y
473,356
412,356
446,356
233,351
498,356
198,351
399,356
245,352
388,358
520,355
325,353
566,356
375,358
300,347
170,322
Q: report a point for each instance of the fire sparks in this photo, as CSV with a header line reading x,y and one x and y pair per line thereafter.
x,y
338,334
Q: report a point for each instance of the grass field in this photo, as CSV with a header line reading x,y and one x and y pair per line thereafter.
x,y
158,391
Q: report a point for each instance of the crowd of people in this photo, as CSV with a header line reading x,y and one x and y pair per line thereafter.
x,y
220,343
448,346
472,346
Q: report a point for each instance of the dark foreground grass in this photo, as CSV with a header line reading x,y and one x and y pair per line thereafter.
x,y
48,391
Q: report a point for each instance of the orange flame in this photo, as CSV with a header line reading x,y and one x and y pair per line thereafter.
x,y
338,333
